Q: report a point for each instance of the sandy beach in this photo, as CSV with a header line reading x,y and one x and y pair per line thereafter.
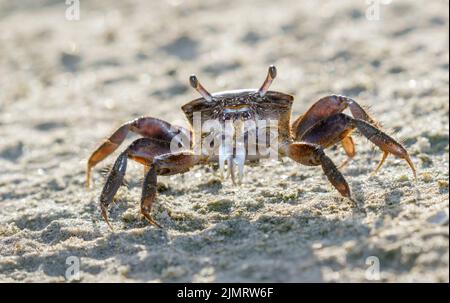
x,y
65,85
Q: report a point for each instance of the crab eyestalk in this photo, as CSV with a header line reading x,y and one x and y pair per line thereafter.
x,y
198,87
271,74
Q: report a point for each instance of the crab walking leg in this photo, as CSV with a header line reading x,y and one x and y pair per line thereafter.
x,y
146,169
326,107
143,151
357,111
113,182
337,127
330,131
146,126
349,148
167,164
322,109
312,155
383,158
384,142
106,148
149,189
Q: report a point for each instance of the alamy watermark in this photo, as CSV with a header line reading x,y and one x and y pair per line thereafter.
x,y
373,269
230,140
72,10
215,137
373,11
73,270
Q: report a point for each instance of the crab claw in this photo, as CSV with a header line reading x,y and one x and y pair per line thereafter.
x,y
226,156
226,149
239,160
232,160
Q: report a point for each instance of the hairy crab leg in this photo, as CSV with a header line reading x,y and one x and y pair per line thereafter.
x,y
149,190
349,148
113,182
326,107
322,109
334,128
106,148
167,164
311,155
386,143
146,126
383,158
146,169
143,151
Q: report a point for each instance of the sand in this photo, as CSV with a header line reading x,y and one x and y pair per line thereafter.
x,y
66,85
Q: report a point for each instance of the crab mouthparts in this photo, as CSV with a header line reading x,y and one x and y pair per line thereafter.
x,y
232,155
229,161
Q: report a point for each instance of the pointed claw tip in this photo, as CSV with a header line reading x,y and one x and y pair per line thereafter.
x,y
411,165
151,221
105,217
88,177
343,189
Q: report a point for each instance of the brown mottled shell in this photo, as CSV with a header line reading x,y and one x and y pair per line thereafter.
x,y
274,105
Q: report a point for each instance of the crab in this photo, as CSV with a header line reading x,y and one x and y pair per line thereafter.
x,y
165,149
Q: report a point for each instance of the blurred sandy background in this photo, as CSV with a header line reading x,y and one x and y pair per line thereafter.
x,y
66,85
